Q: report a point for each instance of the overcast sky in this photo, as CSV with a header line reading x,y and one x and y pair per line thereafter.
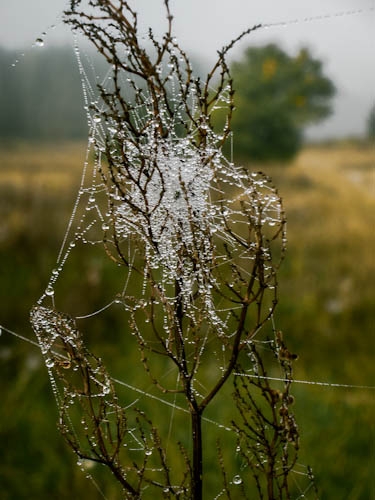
x,y
345,43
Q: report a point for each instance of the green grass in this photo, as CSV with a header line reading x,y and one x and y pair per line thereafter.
x,y
325,311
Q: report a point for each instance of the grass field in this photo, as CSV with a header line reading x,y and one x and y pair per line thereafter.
x,y
326,312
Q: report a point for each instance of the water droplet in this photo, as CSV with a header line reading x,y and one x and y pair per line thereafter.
x,y
97,119
105,226
106,389
50,291
50,363
148,452
39,42
112,130
237,480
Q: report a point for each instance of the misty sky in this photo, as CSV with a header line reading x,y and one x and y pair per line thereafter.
x,y
346,43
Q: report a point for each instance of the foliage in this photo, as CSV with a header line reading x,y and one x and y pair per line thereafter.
x,y
276,96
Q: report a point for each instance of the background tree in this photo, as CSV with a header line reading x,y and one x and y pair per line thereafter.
x,y
276,95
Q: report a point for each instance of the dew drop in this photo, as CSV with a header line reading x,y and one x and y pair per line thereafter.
x,y
148,452
106,390
50,291
50,363
39,42
237,480
112,130
97,119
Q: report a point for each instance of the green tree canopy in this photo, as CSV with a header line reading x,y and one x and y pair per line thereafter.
x,y
276,96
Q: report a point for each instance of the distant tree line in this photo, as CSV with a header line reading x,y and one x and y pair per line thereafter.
x,y
276,96
41,96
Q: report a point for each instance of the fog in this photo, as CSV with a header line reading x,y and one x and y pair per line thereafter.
x,y
341,33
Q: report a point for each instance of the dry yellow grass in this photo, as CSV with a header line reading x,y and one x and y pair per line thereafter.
x,y
35,166
356,164
329,194
353,166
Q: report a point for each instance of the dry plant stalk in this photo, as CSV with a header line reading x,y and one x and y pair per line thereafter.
x,y
201,241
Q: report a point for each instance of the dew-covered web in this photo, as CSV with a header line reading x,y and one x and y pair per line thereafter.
x,y
195,242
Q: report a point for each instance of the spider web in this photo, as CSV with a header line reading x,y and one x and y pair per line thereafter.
x,y
179,193
190,205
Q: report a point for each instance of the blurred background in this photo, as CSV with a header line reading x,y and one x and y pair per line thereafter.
x,y
305,115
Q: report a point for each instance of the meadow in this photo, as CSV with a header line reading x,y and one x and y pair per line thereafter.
x,y
326,311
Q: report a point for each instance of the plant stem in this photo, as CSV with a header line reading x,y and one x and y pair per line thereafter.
x,y
197,484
